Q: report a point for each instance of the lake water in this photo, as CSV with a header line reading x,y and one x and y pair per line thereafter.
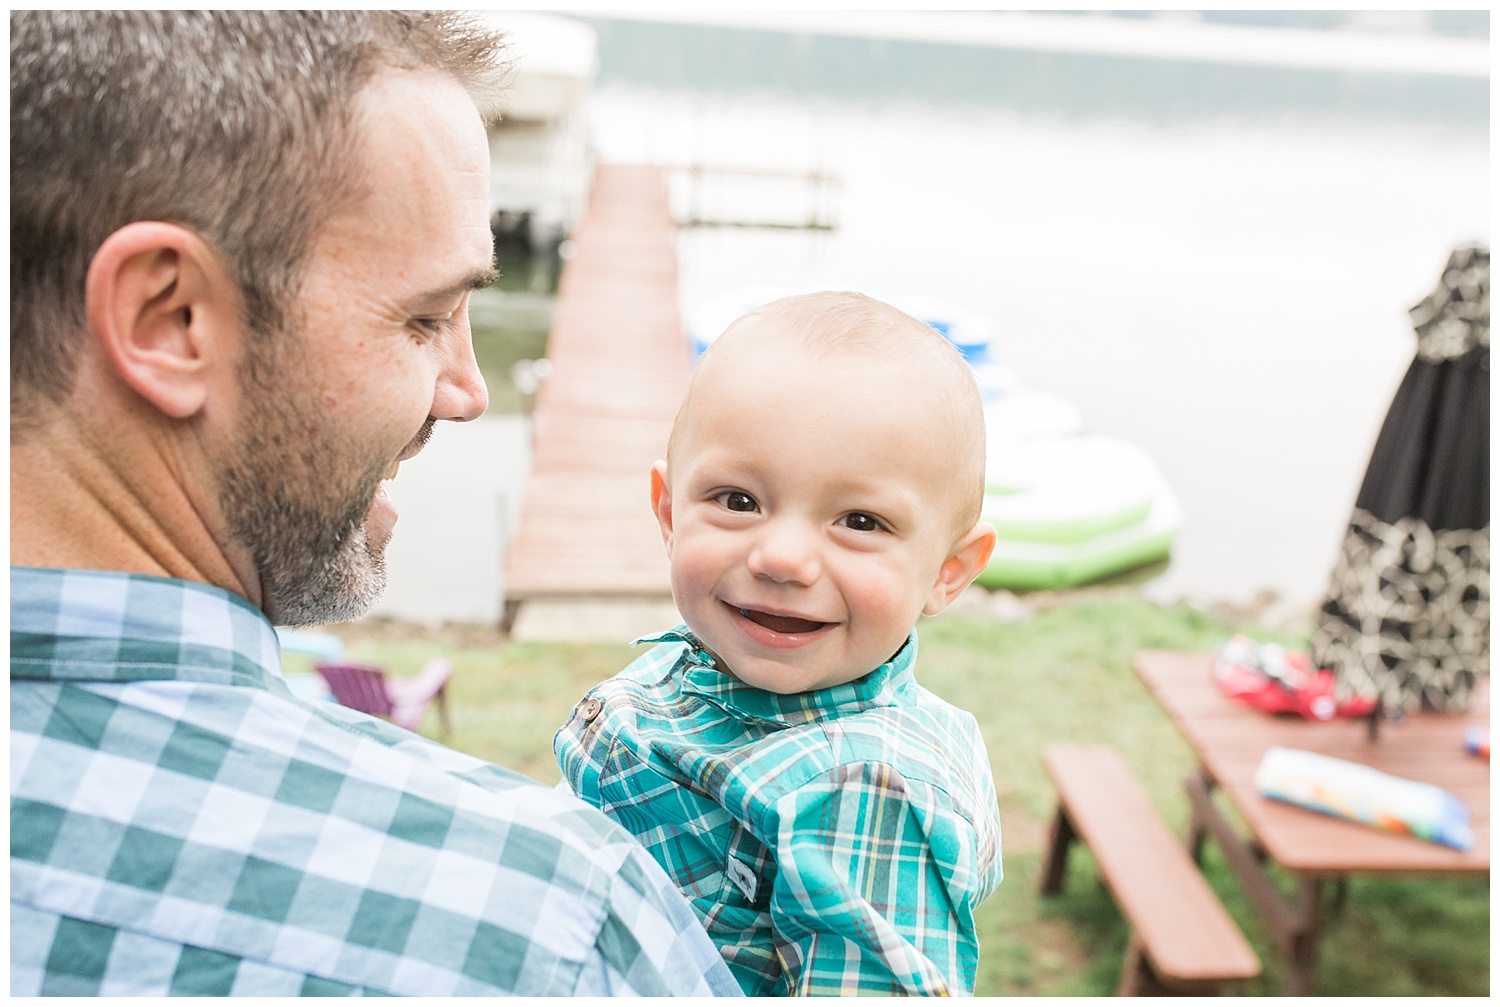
x,y
1212,261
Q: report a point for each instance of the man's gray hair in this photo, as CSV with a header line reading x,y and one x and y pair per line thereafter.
x,y
234,124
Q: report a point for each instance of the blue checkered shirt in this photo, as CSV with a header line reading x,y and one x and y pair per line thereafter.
x,y
833,842
180,824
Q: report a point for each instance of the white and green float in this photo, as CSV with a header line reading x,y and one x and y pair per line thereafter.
x,y
1069,506
1074,509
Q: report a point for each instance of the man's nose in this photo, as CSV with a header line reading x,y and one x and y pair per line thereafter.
x,y
786,551
460,393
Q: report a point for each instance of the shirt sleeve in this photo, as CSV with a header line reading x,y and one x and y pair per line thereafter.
x,y
650,942
865,900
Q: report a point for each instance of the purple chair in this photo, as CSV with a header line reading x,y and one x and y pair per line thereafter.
x,y
401,700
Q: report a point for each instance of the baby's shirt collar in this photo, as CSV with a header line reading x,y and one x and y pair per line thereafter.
x,y
880,687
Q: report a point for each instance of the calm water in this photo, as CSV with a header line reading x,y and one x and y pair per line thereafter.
x,y
1213,262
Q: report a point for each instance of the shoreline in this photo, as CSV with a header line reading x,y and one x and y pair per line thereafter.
x,y
1171,35
607,621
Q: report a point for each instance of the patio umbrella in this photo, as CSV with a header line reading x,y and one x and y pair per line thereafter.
x,y
1406,616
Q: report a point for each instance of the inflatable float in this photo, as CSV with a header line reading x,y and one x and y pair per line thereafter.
x,y
1072,510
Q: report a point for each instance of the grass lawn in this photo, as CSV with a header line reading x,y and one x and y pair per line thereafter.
x,y
1061,675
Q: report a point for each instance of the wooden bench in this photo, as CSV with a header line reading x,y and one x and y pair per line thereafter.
x,y
1182,941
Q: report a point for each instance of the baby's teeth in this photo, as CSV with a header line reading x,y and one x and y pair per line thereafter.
x,y
390,473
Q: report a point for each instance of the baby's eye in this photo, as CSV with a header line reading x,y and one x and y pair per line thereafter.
x,y
859,521
736,501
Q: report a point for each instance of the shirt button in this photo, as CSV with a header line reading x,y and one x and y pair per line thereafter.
x,y
589,709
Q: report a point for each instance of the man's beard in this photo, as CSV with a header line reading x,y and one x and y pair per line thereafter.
x,y
295,494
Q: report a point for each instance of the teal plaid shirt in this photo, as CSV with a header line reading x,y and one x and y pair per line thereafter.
x,y
181,824
833,842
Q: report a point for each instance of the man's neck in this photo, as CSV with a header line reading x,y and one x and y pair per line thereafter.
x,y
75,507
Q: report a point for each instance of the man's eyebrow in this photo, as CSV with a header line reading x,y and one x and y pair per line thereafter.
x,y
483,278
477,280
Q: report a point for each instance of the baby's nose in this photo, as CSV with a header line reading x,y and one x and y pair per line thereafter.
x,y
786,552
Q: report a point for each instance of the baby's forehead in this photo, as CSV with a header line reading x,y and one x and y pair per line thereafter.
x,y
864,345
771,373
877,343
788,358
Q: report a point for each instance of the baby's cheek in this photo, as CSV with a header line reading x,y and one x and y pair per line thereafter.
x,y
696,574
887,603
687,566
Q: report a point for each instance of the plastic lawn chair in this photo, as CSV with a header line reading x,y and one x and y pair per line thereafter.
x,y
401,700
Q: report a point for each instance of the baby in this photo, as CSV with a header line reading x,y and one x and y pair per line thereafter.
x,y
832,822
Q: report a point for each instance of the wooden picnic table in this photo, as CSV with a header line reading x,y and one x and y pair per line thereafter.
x,y
1229,740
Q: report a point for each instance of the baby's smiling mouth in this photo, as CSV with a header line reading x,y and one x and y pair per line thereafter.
x,y
785,624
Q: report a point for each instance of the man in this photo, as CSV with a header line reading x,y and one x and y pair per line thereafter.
x,y
242,251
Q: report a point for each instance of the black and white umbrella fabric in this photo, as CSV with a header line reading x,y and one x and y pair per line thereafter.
x,y
1407,613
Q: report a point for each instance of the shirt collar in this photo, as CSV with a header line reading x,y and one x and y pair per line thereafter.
x,y
881,687
102,626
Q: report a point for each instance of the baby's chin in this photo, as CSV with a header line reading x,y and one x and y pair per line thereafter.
x,y
786,679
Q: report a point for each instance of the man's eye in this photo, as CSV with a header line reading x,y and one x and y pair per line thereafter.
x,y
736,501
861,522
432,326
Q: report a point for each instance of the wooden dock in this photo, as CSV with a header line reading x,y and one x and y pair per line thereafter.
x,y
619,367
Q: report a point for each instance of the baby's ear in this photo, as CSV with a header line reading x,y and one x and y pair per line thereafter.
x,y
958,571
661,502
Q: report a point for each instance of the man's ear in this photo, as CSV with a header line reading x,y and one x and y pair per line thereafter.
x,y
958,571
161,307
661,502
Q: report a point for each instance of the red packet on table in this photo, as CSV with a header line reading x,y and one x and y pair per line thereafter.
x,y
1265,676
1361,794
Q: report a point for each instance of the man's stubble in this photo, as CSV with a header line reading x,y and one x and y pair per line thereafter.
x,y
295,492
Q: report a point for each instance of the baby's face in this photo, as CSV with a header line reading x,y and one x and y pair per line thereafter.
x,y
808,511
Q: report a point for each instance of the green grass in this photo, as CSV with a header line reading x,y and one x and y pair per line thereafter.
x,y
1062,675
